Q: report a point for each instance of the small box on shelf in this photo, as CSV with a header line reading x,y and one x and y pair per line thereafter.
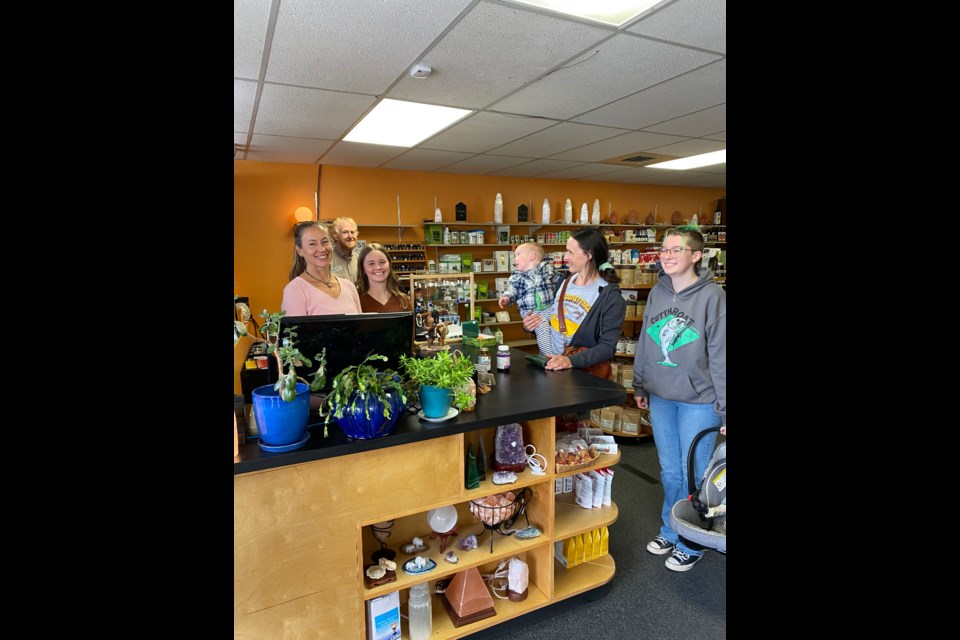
x,y
432,234
383,617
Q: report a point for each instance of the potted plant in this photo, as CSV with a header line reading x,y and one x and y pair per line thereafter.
x,y
366,402
282,410
441,379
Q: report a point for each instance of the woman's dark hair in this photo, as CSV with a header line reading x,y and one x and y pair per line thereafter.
x,y
590,239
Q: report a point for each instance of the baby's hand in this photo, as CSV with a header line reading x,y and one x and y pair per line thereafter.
x,y
504,301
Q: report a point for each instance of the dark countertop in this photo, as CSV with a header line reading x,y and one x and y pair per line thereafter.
x,y
525,393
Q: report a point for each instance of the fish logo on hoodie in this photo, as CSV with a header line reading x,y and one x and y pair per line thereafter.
x,y
672,332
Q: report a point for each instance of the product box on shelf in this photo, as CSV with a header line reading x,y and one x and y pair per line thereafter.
x,y
489,264
483,340
472,336
433,234
631,421
383,617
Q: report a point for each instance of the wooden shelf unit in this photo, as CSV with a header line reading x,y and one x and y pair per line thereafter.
x,y
555,514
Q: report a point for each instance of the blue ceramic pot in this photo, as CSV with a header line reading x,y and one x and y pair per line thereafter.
x,y
435,401
355,423
278,421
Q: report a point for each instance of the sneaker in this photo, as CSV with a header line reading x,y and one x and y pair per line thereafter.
x,y
681,561
659,546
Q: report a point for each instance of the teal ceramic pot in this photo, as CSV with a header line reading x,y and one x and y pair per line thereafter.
x,y
435,401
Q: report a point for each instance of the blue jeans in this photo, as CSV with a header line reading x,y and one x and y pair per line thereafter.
x,y
675,424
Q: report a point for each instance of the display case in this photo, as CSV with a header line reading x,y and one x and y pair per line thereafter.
x,y
448,297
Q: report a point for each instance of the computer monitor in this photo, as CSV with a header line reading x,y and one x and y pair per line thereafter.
x,y
349,338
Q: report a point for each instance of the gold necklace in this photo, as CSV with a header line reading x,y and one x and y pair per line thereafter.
x,y
326,282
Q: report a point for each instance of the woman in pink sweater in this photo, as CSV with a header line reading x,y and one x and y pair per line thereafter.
x,y
312,290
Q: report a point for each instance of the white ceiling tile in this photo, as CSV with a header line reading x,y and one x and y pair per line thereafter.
x,y
308,113
282,149
583,171
355,45
694,91
562,137
244,93
484,164
698,23
596,77
631,175
536,168
359,154
713,168
426,160
330,62
250,18
695,125
618,146
484,131
692,147
682,178
495,49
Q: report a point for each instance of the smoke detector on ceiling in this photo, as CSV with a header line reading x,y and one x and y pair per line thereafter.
x,y
420,71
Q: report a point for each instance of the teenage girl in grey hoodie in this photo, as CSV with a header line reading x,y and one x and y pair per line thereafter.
x,y
680,373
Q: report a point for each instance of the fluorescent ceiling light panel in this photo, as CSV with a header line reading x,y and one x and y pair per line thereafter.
x,y
702,160
612,12
403,124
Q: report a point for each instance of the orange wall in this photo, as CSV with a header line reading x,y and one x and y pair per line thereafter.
x,y
265,195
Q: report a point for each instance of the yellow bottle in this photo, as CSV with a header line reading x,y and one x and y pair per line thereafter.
x,y
604,541
570,552
578,553
597,543
588,546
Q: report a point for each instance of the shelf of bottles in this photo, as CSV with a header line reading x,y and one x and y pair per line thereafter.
x,y
407,257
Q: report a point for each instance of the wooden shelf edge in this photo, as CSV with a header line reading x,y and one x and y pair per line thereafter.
x,y
583,577
443,628
525,478
605,460
503,547
571,519
623,434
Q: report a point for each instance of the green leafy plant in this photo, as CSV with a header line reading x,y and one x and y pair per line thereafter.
x,y
287,355
444,371
365,380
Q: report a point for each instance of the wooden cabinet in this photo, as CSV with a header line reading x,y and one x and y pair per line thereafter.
x,y
555,514
302,535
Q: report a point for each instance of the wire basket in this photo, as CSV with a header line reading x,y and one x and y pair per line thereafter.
x,y
498,512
